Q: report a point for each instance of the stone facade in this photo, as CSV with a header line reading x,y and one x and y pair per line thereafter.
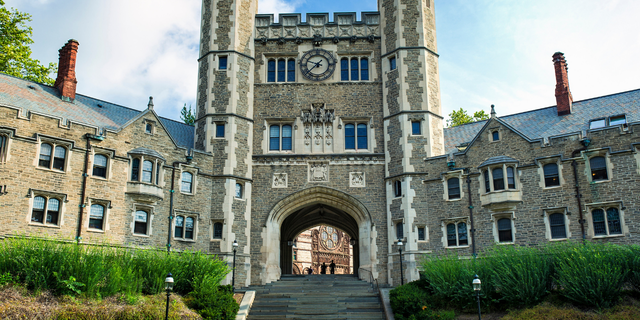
x,y
274,153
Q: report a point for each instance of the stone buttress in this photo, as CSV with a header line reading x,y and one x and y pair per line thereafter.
x,y
412,120
224,122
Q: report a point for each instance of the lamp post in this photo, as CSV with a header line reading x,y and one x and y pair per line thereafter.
x,y
168,285
233,277
401,270
476,287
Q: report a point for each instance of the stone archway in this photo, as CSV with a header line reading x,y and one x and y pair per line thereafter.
x,y
342,211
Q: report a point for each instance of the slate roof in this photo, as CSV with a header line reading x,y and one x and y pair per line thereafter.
x,y
147,152
35,97
498,159
544,123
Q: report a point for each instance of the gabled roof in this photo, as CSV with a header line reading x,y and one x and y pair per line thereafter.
x,y
545,123
43,99
497,159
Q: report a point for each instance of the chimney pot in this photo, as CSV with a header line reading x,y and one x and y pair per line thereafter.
x,y
564,100
66,80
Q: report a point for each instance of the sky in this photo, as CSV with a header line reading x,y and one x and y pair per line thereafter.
x,y
491,51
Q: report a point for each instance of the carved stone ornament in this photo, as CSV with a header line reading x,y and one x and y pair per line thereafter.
x,y
318,171
356,180
279,180
307,133
318,113
317,40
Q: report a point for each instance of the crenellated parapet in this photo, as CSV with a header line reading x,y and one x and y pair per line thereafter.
x,y
317,27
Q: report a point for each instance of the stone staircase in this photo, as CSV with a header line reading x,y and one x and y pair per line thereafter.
x,y
316,297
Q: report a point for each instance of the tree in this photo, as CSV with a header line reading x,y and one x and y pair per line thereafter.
x,y
458,117
15,53
187,115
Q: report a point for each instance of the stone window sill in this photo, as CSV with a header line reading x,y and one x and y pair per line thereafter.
x,y
599,181
141,235
457,247
216,240
50,170
454,200
95,230
185,240
556,240
99,178
36,224
505,243
552,187
609,236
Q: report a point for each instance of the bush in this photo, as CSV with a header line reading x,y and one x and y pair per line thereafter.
x,y
407,299
450,278
102,271
213,301
633,260
591,274
521,275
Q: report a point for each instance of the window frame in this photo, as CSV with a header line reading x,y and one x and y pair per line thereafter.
x,y
183,233
399,229
393,64
593,122
287,74
157,173
106,205
357,124
547,213
47,195
487,175
456,223
605,206
213,230
416,124
397,188
54,143
223,62
604,169
5,145
220,130
359,71
242,191
424,233
192,186
281,138
546,176
149,210
496,217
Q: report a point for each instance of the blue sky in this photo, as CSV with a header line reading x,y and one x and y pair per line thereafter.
x,y
491,51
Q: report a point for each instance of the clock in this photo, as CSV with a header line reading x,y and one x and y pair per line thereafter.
x,y
317,64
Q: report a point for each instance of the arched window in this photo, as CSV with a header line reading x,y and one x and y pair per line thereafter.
x,y
217,230
551,176
504,230
187,182
364,69
457,234
45,155
96,216
344,69
282,68
141,222
147,171
271,71
354,69
99,166
178,229
135,170
598,168
37,214
59,156
291,70
53,211
557,226
498,179
608,224
239,190
453,186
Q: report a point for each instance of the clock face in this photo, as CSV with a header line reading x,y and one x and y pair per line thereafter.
x,y
317,64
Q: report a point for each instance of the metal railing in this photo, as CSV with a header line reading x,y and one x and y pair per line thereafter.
x,y
367,275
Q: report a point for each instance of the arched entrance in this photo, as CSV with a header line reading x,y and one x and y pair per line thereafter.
x,y
311,207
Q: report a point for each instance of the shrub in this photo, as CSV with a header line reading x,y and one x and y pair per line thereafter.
x,y
407,299
633,260
213,301
102,271
450,278
591,274
521,275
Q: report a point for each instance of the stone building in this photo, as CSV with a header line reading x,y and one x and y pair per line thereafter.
x,y
322,121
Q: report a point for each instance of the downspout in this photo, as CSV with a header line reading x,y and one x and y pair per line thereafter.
x,y
85,176
171,211
574,164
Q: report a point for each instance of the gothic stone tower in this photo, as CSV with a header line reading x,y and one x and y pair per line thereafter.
x,y
314,122
224,121
413,128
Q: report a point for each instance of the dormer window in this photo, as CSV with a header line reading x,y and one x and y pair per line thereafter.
x,y
495,136
148,128
617,120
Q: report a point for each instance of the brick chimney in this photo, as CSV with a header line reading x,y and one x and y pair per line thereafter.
x,y
564,99
66,80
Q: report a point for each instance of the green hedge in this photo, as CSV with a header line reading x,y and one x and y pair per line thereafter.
x,y
588,274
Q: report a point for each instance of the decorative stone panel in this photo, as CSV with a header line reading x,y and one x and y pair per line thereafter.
x,y
319,171
279,180
357,180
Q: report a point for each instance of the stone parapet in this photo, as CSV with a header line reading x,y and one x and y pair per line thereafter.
x,y
317,26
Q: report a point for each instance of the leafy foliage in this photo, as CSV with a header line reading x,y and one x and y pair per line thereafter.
x,y
103,270
212,301
187,116
15,53
458,117
409,302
